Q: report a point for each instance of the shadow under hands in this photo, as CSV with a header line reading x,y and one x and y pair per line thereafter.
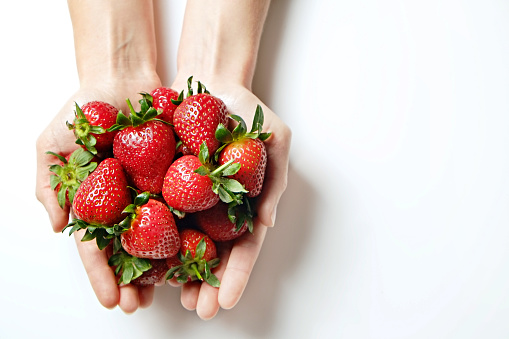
x,y
256,312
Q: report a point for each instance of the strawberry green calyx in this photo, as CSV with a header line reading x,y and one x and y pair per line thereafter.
x,y
229,190
84,131
146,113
241,213
70,174
104,234
127,266
226,136
195,267
201,89
101,233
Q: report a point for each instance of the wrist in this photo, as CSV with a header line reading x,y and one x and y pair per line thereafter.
x,y
114,40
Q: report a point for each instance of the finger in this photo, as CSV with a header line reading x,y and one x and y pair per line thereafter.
x,y
189,295
99,273
146,295
208,304
129,300
276,174
58,217
240,264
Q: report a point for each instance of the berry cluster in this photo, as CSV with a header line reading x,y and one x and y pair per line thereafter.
x,y
162,185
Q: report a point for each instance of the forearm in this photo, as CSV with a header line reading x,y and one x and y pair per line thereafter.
x,y
220,40
114,40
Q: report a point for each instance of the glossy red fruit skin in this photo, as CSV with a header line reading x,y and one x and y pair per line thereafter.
x,y
190,239
153,275
195,120
102,114
251,154
162,97
153,233
185,190
145,152
103,195
215,223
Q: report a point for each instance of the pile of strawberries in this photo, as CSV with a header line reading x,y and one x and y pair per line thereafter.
x,y
164,185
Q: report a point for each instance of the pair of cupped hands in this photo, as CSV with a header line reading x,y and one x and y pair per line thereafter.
x,y
237,258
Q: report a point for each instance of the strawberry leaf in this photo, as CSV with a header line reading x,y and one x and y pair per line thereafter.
x,y
61,158
129,267
240,130
257,121
232,169
233,185
264,136
204,156
179,99
223,134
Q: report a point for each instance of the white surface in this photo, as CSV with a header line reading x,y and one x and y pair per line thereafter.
x,y
395,221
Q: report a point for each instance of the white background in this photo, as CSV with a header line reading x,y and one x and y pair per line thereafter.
x,y
395,221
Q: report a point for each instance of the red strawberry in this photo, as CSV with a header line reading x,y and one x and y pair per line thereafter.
x,y
193,183
152,232
215,222
252,157
246,149
91,124
103,195
185,190
162,100
195,120
197,255
153,275
145,148
70,173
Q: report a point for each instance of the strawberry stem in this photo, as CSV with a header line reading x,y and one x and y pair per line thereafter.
x,y
221,168
196,271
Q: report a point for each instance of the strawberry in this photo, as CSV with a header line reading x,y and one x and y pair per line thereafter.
x,y
185,190
198,255
219,226
153,275
246,149
145,147
100,201
90,126
196,118
70,173
150,230
162,100
103,195
193,184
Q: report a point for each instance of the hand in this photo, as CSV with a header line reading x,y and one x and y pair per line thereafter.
x,y
59,139
239,257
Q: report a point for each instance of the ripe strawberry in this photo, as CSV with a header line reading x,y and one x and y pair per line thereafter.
x,y
145,147
196,118
217,224
198,255
153,275
162,100
252,156
246,149
185,190
70,173
151,231
193,184
90,126
103,195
